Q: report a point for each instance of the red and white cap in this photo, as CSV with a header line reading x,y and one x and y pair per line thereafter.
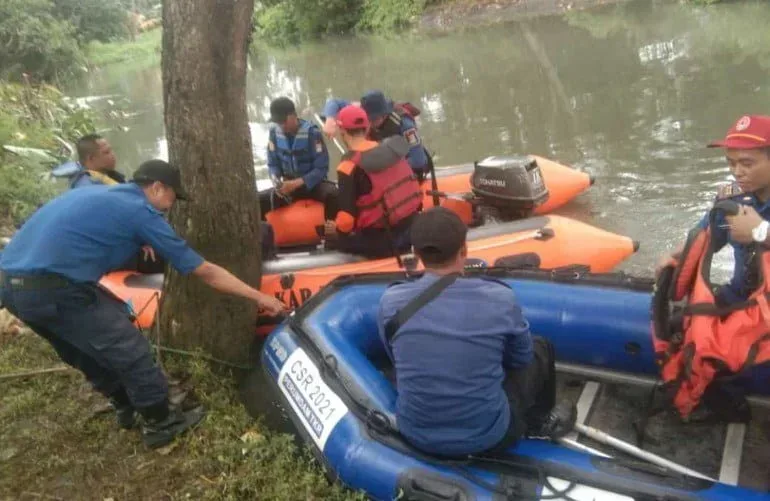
x,y
749,132
352,117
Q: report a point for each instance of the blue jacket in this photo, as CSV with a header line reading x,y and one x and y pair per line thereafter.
x,y
90,231
417,156
303,155
450,360
739,288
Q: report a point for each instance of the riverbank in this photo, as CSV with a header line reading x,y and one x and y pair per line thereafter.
x,y
455,14
452,14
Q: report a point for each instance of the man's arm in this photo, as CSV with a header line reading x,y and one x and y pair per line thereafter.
x,y
155,230
417,157
320,160
333,106
518,343
222,280
383,315
347,210
719,236
273,162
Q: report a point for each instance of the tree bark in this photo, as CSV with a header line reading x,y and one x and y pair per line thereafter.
x,y
204,62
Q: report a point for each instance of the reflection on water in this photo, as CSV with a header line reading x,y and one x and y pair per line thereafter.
x,y
630,92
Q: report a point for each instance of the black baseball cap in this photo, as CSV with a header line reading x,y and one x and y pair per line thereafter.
x,y
439,232
280,109
162,171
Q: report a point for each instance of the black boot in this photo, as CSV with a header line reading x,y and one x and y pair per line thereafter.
x,y
124,411
554,425
157,432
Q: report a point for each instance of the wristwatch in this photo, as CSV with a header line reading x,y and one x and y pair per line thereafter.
x,y
759,234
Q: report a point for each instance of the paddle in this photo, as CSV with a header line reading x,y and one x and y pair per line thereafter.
x,y
336,142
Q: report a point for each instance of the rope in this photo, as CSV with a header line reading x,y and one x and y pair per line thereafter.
x,y
160,348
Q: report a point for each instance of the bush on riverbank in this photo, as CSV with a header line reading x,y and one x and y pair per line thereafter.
x,y
146,45
284,22
40,118
45,38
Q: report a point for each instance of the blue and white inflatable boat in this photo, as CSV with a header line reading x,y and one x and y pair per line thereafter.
x,y
324,367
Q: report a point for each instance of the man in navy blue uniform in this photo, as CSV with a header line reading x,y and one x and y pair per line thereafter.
x,y
387,120
297,160
747,151
48,279
469,375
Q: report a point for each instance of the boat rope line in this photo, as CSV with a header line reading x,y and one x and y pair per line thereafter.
x,y
156,297
519,238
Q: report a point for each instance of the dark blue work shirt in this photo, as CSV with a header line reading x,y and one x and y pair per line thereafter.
x,y
738,289
88,232
450,359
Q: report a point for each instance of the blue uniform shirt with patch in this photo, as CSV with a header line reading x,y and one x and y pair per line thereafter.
x,y
738,288
450,360
86,233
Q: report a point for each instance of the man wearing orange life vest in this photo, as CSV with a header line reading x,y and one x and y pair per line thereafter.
x,y
378,193
747,148
721,332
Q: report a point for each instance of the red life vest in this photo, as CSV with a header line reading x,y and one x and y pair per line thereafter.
x,y
709,340
395,195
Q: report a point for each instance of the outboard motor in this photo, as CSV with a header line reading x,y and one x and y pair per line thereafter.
x,y
512,186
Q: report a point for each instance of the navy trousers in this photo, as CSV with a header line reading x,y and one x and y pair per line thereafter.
x,y
92,332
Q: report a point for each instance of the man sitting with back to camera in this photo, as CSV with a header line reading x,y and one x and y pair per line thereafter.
x,y
471,378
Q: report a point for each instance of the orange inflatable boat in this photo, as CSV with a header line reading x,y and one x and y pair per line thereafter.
x,y
543,241
515,187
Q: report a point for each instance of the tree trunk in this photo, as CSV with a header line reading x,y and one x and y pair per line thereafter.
x,y
205,49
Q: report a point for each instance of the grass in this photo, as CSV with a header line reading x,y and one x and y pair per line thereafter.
x,y
147,45
56,444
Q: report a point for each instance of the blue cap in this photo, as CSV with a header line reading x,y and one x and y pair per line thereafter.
x,y
375,104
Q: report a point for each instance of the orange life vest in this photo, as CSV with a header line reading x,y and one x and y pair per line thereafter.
x,y
395,195
709,340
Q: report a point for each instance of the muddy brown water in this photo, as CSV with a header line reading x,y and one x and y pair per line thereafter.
x,y
631,92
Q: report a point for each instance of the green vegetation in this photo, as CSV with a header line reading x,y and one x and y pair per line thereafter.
x,y
48,39
57,442
35,125
34,41
286,22
146,46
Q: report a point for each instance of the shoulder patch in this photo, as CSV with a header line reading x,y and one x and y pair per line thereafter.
x,y
412,137
319,146
270,146
728,191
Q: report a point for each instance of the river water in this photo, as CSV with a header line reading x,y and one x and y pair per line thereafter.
x,y
630,92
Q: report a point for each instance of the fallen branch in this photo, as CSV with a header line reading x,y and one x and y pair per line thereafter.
x,y
18,375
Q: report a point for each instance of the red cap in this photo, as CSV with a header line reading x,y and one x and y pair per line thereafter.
x,y
352,117
749,132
